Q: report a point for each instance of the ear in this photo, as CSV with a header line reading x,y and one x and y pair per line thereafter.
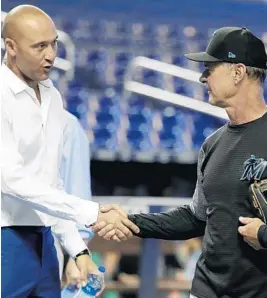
x,y
11,47
239,72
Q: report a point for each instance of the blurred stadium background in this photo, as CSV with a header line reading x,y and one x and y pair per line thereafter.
x,y
111,57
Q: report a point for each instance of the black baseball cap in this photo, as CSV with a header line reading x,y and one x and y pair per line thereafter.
x,y
233,45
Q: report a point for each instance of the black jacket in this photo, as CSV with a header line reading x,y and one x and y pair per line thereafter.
x,y
228,266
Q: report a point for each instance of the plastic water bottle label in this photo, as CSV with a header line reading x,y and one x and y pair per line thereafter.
x,y
94,285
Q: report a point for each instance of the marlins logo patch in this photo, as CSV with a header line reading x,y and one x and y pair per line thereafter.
x,y
254,168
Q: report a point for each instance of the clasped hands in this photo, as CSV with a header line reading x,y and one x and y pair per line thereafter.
x,y
113,224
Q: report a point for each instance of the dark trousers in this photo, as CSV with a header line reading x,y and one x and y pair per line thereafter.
x,y
29,264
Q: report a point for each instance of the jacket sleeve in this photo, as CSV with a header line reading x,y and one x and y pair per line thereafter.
x,y
184,222
178,224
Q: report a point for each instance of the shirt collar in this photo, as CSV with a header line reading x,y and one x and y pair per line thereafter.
x,y
16,84
46,83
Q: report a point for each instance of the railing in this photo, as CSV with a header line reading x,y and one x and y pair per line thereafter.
x,y
163,285
183,101
141,204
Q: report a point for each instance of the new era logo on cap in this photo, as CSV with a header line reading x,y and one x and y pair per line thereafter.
x,y
231,55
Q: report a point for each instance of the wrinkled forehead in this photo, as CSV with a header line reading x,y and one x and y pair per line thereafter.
x,y
212,64
36,29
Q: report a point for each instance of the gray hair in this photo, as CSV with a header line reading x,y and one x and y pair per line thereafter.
x,y
257,74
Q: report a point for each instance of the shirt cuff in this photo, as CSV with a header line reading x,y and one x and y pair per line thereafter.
x,y
73,243
93,215
86,232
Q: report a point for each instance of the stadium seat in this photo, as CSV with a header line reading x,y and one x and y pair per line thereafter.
x,y
182,88
108,121
77,102
104,50
179,60
119,74
74,86
152,78
136,101
140,120
172,118
104,139
171,140
139,140
96,57
122,59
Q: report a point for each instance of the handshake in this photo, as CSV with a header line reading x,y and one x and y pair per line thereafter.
x,y
113,224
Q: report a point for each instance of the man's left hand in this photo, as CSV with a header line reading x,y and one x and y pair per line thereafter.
x,y
250,231
86,266
72,273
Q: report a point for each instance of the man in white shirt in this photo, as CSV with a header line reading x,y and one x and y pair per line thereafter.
x,y
33,199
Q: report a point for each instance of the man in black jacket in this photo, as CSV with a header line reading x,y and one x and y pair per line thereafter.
x,y
235,62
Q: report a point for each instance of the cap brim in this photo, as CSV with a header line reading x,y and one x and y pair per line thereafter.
x,y
201,57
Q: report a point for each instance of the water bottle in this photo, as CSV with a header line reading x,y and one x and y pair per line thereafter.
x,y
94,285
69,292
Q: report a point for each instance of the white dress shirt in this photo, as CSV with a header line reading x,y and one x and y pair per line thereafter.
x,y
31,153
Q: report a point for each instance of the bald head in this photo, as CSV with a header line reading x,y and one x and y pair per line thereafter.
x,y
21,17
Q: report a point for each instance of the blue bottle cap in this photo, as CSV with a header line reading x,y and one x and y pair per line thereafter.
x,y
102,269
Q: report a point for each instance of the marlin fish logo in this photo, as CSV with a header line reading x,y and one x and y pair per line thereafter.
x,y
254,168
231,55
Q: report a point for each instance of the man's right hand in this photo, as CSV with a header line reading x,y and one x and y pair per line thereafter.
x,y
113,223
